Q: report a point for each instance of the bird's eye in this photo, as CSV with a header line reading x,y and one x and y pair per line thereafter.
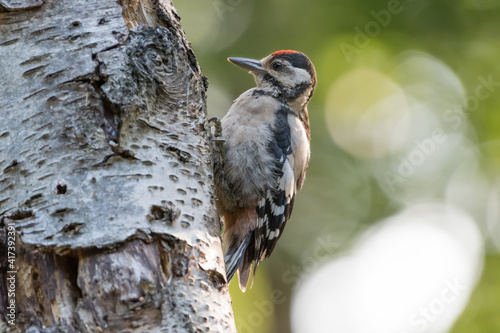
x,y
277,65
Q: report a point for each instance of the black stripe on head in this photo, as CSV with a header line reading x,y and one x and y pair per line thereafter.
x,y
286,94
297,59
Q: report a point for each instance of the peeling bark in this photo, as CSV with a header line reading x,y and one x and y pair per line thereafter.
x,y
105,171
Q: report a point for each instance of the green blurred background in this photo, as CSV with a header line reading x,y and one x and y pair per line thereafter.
x,y
392,75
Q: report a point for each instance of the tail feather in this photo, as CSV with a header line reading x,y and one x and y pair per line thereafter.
x,y
234,256
244,273
245,270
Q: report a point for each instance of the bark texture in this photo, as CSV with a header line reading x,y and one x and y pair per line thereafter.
x,y
105,171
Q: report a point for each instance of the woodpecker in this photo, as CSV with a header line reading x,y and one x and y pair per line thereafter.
x,y
263,158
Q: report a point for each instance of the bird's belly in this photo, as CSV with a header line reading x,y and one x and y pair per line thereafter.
x,y
249,170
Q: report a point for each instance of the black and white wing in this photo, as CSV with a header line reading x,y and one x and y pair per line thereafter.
x,y
275,208
289,147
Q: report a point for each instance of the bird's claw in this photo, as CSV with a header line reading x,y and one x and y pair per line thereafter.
x,y
217,125
217,130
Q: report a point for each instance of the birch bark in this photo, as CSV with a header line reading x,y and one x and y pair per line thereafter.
x,y
105,172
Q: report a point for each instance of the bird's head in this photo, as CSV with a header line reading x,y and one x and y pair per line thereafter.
x,y
288,75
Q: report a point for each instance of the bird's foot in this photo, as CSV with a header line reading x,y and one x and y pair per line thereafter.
x,y
217,134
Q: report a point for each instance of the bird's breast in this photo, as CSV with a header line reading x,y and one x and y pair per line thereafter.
x,y
247,131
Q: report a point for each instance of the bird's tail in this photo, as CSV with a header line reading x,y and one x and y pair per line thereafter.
x,y
240,251
245,269
234,256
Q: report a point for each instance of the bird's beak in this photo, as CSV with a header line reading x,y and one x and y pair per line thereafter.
x,y
252,65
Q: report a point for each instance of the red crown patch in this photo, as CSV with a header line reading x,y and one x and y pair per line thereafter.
x,y
284,52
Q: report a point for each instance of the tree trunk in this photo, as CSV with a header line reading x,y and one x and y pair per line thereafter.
x,y
106,187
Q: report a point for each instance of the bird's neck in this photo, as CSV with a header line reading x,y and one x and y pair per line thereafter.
x,y
297,106
295,98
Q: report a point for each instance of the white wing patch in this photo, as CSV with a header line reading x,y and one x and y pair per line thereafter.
x,y
287,181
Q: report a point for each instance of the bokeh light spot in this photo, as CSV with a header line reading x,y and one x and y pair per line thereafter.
x,y
367,113
412,273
